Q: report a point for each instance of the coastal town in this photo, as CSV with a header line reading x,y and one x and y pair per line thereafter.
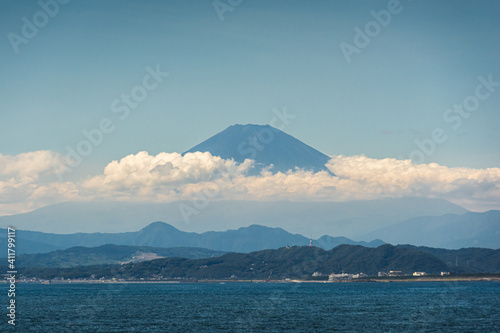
x,y
317,277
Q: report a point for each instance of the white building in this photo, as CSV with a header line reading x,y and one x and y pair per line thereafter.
x,y
342,276
359,275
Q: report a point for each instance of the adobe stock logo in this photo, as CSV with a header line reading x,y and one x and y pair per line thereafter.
x,y
455,115
228,6
265,136
372,29
122,106
30,28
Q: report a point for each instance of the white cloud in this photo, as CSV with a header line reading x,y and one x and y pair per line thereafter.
x,y
171,176
163,176
27,167
392,177
26,182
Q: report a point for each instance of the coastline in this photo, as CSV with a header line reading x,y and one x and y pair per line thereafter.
x,y
489,278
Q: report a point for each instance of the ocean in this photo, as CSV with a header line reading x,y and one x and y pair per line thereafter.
x,y
258,307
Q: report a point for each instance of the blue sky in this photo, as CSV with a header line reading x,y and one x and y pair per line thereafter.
x,y
263,55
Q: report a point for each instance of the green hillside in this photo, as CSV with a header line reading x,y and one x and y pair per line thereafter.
x,y
109,254
467,260
288,262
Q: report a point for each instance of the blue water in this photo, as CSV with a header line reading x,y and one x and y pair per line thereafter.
x,y
247,307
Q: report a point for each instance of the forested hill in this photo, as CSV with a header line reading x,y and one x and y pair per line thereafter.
x,y
467,260
287,262
110,254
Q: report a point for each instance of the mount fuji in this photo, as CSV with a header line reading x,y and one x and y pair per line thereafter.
x,y
267,145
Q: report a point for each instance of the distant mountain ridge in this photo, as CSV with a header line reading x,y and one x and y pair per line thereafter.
x,y
266,145
160,234
450,231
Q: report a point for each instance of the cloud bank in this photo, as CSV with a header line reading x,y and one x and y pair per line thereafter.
x,y
172,176
162,177
24,183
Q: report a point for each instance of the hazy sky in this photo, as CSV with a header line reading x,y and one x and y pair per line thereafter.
x,y
238,65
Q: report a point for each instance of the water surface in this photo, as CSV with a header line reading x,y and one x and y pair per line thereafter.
x,y
262,307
